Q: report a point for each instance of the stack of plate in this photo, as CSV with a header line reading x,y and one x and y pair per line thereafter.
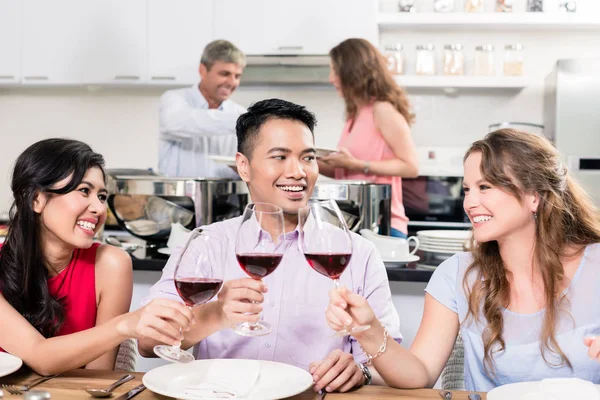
x,y
448,242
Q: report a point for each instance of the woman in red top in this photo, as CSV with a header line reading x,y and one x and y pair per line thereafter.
x,y
376,143
63,298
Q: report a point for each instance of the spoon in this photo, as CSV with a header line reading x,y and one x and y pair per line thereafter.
x,y
37,395
108,391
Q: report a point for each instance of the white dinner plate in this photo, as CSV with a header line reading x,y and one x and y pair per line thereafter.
x,y
451,234
165,250
443,245
227,160
405,259
528,391
323,152
275,380
9,364
436,250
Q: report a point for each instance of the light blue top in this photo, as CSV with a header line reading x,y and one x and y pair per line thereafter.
x,y
522,359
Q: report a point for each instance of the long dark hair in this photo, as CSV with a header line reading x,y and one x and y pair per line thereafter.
x,y
521,163
23,273
364,77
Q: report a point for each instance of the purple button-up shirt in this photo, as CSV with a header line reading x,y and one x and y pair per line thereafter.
x,y
294,305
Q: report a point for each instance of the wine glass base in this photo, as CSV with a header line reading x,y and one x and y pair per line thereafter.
x,y
260,328
167,353
348,331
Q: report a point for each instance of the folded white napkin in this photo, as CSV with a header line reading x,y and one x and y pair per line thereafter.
x,y
226,379
564,389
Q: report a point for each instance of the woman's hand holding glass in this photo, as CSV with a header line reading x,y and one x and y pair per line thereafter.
x,y
347,308
198,278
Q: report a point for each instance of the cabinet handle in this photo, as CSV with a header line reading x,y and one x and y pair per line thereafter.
x,y
291,47
127,77
7,77
163,78
36,78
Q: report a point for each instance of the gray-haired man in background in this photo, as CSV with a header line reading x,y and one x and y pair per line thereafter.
x,y
199,121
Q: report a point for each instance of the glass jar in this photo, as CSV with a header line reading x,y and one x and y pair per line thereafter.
x,y
425,64
504,5
395,58
485,64
454,59
513,60
443,5
535,5
474,5
406,6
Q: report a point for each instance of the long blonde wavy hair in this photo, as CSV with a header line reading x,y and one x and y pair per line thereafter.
x,y
520,163
364,77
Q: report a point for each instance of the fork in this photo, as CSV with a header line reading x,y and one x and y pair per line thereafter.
x,y
12,389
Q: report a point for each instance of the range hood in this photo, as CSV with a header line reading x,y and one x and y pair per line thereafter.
x,y
286,69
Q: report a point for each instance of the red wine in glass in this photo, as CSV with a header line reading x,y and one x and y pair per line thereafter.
x,y
329,264
259,265
195,291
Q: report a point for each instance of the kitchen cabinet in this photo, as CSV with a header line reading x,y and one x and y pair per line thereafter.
x,y
114,44
293,27
178,31
10,41
53,46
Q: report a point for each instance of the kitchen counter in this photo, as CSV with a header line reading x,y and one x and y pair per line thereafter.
x,y
396,272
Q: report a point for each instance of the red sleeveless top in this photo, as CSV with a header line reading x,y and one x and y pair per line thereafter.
x,y
77,285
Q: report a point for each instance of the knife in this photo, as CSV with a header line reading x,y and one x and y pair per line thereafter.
x,y
133,392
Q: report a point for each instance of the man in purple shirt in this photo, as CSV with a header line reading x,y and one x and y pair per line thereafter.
x,y
276,158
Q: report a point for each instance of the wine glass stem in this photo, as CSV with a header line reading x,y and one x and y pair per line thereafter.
x,y
336,282
176,348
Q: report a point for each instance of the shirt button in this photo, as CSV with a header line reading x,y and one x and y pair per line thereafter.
x,y
267,345
272,304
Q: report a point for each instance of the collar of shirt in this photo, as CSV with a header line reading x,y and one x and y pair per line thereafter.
x,y
200,101
254,233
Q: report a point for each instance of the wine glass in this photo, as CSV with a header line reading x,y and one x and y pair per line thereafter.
x,y
198,278
326,243
259,249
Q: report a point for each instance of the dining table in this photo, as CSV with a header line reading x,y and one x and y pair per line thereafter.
x,y
71,385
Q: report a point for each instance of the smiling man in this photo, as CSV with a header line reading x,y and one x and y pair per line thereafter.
x,y
199,121
276,157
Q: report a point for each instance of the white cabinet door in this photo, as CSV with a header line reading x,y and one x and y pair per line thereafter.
x,y
255,26
332,21
114,42
297,27
178,31
10,41
51,49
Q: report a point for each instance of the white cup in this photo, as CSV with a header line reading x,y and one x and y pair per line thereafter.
x,y
177,236
391,248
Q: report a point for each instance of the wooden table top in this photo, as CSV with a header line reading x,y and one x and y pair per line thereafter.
x,y
71,386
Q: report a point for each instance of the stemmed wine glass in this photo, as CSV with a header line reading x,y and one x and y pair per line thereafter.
x,y
198,278
326,243
259,249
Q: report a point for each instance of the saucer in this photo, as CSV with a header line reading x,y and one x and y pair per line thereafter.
x,y
406,259
164,250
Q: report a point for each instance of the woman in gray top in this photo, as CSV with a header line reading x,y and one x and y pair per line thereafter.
x,y
525,298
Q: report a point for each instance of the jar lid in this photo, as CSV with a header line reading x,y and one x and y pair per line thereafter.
x,y
516,46
428,46
485,47
456,46
394,46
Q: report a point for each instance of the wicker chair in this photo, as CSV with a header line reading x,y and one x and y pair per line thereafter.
x,y
453,375
126,356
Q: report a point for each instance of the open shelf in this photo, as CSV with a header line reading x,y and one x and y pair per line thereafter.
x,y
490,21
463,82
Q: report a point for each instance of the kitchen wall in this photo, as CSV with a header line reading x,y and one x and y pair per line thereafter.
x,y
122,123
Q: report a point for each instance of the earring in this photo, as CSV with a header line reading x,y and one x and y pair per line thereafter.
x,y
534,215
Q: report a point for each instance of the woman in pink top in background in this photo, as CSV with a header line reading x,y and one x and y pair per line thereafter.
x,y
376,143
